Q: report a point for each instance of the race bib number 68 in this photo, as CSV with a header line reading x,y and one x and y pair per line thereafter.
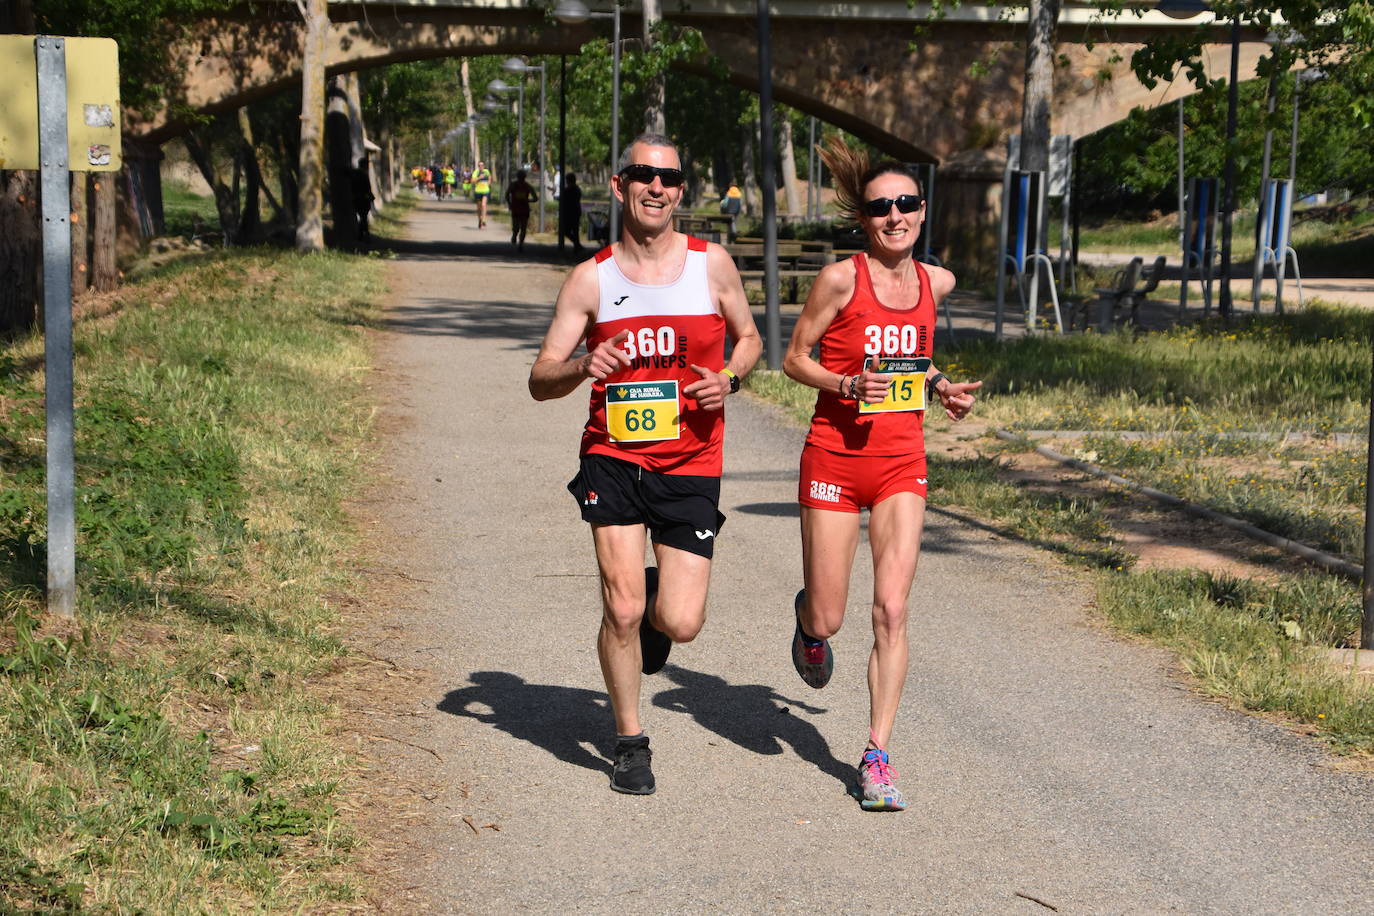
x,y
642,411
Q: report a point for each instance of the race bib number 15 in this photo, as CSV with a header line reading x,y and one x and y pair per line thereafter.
x,y
908,388
642,411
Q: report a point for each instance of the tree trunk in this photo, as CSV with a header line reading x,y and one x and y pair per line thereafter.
x,y
81,251
226,198
104,272
340,154
310,176
250,225
751,132
791,190
20,251
1042,25
467,100
20,248
655,101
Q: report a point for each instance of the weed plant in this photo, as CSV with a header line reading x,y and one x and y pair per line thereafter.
x,y
165,755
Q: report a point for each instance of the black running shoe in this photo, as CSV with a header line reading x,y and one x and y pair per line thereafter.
x,y
653,645
631,773
815,663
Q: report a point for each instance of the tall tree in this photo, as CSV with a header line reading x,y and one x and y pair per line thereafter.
x,y
1041,27
310,176
655,101
19,234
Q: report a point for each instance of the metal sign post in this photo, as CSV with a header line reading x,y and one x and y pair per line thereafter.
x,y
51,54
72,125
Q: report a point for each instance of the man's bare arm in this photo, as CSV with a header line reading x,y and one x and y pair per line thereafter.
x,y
711,389
556,372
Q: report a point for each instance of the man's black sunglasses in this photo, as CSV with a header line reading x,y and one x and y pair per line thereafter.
x,y
880,206
671,178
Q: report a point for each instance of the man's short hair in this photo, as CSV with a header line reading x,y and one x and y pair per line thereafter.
x,y
648,139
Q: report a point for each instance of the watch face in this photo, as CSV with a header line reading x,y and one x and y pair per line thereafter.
x,y
734,384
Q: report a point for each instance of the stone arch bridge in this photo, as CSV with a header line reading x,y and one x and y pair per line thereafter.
x,y
859,66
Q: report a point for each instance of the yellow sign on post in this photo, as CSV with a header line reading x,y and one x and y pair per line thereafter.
x,y
92,104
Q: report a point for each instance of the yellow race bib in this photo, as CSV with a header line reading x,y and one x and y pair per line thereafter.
x,y
642,411
908,388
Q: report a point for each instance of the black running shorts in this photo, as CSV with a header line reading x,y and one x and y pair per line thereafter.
x,y
679,510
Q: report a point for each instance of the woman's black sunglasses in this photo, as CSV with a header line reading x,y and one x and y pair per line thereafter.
x,y
671,178
880,206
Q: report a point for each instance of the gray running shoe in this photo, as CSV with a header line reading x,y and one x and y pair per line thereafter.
x,y
876,791
631,773
654,646
815,663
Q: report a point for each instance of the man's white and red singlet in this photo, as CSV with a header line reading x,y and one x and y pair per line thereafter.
x,y
684,315
863,328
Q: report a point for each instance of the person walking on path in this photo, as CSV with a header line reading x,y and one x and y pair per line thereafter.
x,y
481,188
873,316
570,211
654,309
518,197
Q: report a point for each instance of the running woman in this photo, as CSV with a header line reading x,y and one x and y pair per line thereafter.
x,y
654,309
481,187
873,316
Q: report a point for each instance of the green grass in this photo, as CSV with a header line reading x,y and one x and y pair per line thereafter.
x,y
186,213
169,754
1256,644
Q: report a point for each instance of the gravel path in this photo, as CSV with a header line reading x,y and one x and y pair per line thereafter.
x,y
1043,759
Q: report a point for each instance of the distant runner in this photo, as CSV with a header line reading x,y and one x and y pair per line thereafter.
x,y
654,309
481,188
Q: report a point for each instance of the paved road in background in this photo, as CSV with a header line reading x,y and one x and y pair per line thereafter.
x,y
1043,759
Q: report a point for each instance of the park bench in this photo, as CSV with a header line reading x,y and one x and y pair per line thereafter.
x,y
711,227
598,223
1130,286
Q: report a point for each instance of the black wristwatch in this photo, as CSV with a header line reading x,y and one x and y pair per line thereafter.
x,y
734,380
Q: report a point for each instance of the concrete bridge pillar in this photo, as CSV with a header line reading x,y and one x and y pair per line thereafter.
x,y
967,213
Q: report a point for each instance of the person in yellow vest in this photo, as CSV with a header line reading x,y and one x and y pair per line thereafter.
x,y
450,180
481,188
467,183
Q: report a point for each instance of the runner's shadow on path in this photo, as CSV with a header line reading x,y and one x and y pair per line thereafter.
x,y
558,719
754,716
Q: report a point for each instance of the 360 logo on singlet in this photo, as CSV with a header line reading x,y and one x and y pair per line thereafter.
x,y
642,411
908,339
656,348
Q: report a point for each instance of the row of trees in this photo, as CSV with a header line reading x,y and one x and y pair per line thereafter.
x,y
271,155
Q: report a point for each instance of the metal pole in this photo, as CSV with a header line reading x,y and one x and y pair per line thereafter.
x,y
1229,204
1258,275
1182,240
562,141
1367,620
772,318
1293,140
55,185
543,159
615,118
520,125
812,187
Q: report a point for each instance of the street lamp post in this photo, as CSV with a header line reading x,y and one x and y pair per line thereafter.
x,y
516,65
575,12
500,86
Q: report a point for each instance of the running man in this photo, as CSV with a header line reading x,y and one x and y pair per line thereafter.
x,y
481,187
654,309
873,316
518,197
